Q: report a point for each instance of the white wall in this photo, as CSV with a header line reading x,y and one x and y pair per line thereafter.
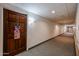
x,y
42,30
77,31
37,32
61,29
1,30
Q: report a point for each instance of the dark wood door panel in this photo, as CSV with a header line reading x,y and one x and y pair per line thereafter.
x,y
13,20
21,18
10,30
11,44
22,27
12,17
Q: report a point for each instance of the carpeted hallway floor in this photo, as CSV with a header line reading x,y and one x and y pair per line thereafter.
x,y
62,45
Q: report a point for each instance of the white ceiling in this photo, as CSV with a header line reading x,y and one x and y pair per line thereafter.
x,y
62,10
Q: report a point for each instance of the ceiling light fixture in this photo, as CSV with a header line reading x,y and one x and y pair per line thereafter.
x,y
53,11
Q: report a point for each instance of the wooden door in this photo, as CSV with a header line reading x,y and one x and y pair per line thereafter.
x,y
14,32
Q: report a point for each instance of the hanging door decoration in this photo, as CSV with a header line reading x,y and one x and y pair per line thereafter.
x,y
16,31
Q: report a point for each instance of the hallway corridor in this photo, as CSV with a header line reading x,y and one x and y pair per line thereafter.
x,y
62,45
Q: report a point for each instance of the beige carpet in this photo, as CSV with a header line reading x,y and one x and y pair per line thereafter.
x,y
62,45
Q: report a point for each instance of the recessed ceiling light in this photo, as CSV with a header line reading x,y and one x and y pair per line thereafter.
x,y
53,11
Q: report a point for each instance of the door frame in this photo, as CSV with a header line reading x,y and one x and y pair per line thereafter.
x,y
4,32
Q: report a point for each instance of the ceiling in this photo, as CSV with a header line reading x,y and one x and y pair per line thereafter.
x,y
64,12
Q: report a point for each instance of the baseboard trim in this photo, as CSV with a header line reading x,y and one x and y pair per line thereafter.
x,y
44,41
